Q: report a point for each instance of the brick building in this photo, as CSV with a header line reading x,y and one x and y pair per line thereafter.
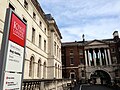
x,y
97,61
72,57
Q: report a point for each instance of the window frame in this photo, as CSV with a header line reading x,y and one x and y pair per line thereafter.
x,y
33,35
26,4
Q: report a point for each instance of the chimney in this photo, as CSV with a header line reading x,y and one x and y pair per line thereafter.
x,y
115,35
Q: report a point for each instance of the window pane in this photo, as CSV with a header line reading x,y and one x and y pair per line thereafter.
x,y
44,45
33,35
40,41
34,15
25,4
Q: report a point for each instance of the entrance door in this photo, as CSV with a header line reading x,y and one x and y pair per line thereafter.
x,y
72,75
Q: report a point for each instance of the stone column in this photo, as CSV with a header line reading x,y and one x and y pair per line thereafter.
x,y
89,58
109,56
106,56
100,57
94,57
86,59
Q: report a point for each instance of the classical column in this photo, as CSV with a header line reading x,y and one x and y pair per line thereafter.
x,y
94,57
89,57
109,56
100,57
86,59
106,56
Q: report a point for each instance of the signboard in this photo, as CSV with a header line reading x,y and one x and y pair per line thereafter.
x,y
12,81
14,59
12,52
17,30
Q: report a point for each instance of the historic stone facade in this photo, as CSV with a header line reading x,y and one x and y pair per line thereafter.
x,y
43,44
98,57
100,62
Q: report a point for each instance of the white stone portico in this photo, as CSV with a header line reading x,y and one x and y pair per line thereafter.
x,y
97,57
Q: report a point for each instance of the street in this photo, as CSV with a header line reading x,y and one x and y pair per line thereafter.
x,y
93,87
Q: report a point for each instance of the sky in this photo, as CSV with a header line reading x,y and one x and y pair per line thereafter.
x,y
96,19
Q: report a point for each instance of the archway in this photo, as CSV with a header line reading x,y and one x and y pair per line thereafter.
x,y
72,74
100,77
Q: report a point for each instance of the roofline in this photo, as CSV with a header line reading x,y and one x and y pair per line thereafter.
x,y
39,9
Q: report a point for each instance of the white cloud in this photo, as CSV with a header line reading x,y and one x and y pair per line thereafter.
x,y
97,19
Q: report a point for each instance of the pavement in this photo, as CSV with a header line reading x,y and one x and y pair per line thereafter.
x,y
94,87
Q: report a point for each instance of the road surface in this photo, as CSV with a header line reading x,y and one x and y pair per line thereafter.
x,y
93,87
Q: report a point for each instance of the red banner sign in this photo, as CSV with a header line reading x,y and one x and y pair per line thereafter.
x,y
17,30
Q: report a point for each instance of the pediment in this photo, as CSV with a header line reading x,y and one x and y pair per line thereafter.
x,y
95,42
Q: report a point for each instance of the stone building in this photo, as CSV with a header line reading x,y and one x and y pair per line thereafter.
x,y
43,44
43,65
99,63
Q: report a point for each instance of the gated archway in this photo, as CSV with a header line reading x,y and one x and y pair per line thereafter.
x,y
100,77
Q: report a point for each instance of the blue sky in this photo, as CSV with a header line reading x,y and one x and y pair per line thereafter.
x,y
96,19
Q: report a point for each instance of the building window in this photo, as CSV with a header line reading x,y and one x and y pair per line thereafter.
x,y
25,4
33,35
45,30
55,48
80,52
71,60
24,20
40,23
71,51
31,67
10,6
45,45
39,68
72,74
81,61
34,15
39,41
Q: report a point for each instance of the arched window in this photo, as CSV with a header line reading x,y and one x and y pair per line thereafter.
x,y
39,69
31,67
72,74
44,70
